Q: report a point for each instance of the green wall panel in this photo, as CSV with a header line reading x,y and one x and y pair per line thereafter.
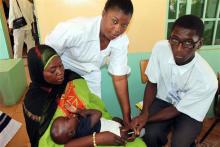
x,y
4,38
4,54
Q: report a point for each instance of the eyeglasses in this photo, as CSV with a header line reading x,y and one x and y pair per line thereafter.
x,y
185,43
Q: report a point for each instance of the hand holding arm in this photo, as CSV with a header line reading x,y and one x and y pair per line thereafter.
x,y
149,95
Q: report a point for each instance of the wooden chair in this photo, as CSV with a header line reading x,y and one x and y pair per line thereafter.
x,y
143,66
216,109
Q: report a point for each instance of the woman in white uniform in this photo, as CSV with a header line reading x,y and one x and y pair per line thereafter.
x,y
85,44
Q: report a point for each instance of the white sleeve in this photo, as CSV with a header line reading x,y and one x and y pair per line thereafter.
x,y
11,16
196,102
62,37
153,71
118,63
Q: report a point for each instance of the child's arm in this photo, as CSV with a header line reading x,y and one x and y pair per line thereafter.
x,y
95,115
103,138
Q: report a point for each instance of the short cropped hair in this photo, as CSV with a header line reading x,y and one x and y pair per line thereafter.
x,y
190,22
57,132
125,5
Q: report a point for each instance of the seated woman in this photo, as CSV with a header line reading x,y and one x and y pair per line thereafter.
x,y
51,84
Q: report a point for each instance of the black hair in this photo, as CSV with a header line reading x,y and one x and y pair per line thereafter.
x,y
57,134
125,5
190,22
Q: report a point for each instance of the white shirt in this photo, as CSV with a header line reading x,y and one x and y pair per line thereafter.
x,y
190,87
111,126
27,12
77,42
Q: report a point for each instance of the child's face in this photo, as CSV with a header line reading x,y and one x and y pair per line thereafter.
x,y
71,125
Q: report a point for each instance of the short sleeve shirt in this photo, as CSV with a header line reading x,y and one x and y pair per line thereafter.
x,y
84,127
190,87
77,42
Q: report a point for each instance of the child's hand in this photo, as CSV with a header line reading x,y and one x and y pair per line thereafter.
x,y
70,108
128,134
89,112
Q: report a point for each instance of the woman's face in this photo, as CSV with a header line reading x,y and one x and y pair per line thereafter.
x,y
54,72
114,23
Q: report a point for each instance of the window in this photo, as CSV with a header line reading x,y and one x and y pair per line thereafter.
x,y
207,10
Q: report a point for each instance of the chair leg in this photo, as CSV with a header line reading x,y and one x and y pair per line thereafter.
x,y
209,130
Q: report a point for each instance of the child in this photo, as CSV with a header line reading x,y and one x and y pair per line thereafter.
x,y
83,123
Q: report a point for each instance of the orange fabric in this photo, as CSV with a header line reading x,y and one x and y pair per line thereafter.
x,y
70,102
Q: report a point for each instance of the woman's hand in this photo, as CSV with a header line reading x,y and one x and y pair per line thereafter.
x,y
108,138
138,123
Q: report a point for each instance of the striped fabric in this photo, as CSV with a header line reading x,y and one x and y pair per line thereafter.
x,y
8,128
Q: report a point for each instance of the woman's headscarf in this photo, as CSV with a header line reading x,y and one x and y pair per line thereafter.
x,y
38,58
41,98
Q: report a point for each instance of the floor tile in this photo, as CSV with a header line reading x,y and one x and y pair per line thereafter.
x,y
21,138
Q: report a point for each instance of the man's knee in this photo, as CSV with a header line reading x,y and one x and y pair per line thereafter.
x,y
183,140
154,137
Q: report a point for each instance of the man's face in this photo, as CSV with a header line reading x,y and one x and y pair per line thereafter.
x,y
184,42
114,23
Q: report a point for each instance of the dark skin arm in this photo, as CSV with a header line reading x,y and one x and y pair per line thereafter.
x,y
121,88
103,138
165,114
149,96
95,115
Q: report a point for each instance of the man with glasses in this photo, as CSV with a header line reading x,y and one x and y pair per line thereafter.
x,y
180,89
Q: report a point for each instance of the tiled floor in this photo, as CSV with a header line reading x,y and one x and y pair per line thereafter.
x,y
21,139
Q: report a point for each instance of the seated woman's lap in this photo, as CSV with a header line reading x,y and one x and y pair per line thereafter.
x,y
91,101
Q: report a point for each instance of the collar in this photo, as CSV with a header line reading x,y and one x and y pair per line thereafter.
x,y
95,29
183,68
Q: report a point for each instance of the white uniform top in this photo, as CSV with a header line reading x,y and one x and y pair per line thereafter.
x,y
77,42
27,12
190,87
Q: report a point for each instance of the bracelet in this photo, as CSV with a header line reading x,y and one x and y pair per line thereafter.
x,y
93,139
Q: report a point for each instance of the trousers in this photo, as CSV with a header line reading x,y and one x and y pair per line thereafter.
x,y
184,128
20,37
